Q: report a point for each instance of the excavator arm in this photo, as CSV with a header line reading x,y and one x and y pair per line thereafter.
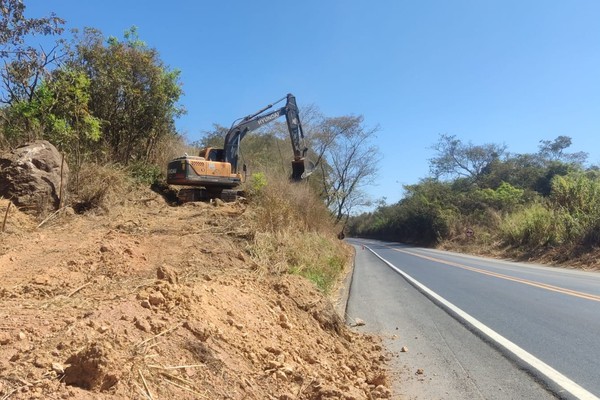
x,y
237,132
258,119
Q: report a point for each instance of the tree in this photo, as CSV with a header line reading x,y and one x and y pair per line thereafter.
x,y
24,65
58,112
456,159
347,159
133,94
552,151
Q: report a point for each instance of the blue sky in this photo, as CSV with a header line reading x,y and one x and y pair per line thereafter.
x,y
500,71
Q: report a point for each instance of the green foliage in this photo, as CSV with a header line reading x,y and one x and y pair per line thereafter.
x,y
145,173
533,227
577,194
426,215
258,181
132,93
506,197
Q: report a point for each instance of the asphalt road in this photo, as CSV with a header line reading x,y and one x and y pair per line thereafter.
x,y
550,314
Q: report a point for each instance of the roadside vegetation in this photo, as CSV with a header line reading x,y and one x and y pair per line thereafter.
x,y
294,232
484,199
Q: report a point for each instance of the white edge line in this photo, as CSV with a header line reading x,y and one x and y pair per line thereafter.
x,y
538,365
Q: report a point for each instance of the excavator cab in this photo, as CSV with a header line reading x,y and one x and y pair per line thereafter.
x,y
212,154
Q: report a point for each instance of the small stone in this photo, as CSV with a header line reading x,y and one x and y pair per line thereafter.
x,y
58,368
156,299
4,339
273,350
404,349
21,336
166,273
143,325
358,322
145,304
41,362
285,325
103,329
420,371
287,369
281,375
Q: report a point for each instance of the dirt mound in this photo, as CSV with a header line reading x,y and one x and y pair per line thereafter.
x,y
16,222
164,302
92,368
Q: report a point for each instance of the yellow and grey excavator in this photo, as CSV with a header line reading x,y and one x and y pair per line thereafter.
x,y
214,172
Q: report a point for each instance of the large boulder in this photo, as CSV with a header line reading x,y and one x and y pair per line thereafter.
x,y
30,176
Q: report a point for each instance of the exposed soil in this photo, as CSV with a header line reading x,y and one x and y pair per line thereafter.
x,y
159,302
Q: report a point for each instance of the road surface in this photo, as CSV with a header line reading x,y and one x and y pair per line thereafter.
x,y
479,328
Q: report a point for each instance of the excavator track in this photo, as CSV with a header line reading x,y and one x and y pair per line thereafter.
x,y
187,195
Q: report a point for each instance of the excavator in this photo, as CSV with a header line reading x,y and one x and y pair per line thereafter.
x,y
214,172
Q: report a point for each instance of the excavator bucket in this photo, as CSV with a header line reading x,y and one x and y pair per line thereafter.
x,y
302,169
309,168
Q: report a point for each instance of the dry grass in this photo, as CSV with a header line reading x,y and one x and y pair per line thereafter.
x,y
283,205
295,233
99,186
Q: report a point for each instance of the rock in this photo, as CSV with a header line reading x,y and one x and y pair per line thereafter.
x,y
21,336
41,362
284,322
145,304
404,349
199,332
420,371
143,325
358,322
31,176
166,273
156,299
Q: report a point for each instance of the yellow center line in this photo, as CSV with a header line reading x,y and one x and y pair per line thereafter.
x,y
541,285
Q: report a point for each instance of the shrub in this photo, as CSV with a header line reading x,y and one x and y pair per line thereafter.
x,y
534,226
99,186
258,181
145,173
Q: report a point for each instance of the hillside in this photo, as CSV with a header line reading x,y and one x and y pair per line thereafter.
x,y
157,302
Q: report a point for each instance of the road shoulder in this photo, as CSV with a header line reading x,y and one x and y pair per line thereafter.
x,y
442,359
